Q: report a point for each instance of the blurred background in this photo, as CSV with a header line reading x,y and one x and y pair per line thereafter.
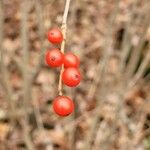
x,y
112,103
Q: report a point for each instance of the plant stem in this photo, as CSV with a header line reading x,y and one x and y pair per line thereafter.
x,y
39,12
137,50
100,74
141,70
64,29
26,84
4,80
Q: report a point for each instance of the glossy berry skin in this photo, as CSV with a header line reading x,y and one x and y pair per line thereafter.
x,y
71,60
71,77
55,36
54,58
63,105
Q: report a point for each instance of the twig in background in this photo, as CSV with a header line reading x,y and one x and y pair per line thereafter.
x,y
39,12
64,28
137,50
139,128
17,63
4,79
126,43
38,9
77,120
101,66
26,84
100,73
141,70
25,50
40,125
92,48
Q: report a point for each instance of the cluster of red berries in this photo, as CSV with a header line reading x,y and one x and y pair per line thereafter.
x,y
71,76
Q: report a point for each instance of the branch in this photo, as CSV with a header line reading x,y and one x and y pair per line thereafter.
x,y
26,83
100,73
76,121
126,44
39,122
4,80
141,70
39,12
101,66
64,28
25,49
47,141
137,50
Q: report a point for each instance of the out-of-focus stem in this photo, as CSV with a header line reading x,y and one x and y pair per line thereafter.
x,y
137,50
41,33
4,80
100,73
26,84
141,70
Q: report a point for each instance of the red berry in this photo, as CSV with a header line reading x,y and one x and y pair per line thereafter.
x,y
54,58
71,60
55,36
63,105
71,77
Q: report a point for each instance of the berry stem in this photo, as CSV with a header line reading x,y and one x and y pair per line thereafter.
x,y
64,29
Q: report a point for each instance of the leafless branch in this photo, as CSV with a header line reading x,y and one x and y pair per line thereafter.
x,y
26,84
4,80
40,125
39,12
137,50
126,44
101,70
64,28
141,70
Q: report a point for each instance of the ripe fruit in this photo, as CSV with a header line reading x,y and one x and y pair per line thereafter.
x,y
71,60
63,105
71,77
54,58
55,36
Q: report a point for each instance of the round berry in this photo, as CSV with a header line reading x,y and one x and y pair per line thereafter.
x,y
71,60
54,58
55,36
71,77
63,105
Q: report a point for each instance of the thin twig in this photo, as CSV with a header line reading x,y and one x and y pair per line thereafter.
x,y
100,74
38,9
4,80
126,44
41,33
25,49
40,124
101,66
141,70
137,50
77,120
64,28
26,88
